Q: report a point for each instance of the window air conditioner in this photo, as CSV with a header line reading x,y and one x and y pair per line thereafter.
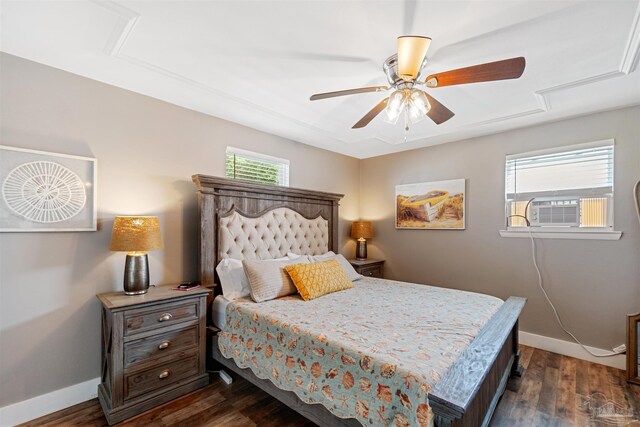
x,y
555,211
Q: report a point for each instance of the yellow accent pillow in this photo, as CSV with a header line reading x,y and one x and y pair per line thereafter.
x,y
319,278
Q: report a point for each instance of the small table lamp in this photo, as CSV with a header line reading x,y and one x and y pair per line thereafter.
x,y
361,230
135,235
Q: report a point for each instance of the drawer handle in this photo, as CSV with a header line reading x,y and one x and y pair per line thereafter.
x,y
164,374
371,273
165,317
164,345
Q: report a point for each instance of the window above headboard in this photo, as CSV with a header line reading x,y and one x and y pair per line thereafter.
x,y
256,167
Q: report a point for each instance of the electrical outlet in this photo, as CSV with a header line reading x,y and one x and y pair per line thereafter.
x,y
620,349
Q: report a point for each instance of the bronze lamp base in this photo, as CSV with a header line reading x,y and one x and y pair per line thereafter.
x,y
361,249
136,274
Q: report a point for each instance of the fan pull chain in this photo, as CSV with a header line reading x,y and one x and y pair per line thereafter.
x,y
406,124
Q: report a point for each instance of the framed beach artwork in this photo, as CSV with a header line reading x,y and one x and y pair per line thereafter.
x,y
431,205
43,191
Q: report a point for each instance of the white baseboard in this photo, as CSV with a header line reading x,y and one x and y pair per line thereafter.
x,y
572,349
47,403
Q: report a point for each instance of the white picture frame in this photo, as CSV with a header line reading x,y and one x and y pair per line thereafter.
x,y
437,205
41,191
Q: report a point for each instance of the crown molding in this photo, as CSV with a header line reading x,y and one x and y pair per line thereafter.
x,y
122,31
632,49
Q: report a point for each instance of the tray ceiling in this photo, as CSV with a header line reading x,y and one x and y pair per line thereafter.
x,y
257,62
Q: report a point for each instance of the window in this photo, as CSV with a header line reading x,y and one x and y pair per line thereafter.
x,y
249,166
570,187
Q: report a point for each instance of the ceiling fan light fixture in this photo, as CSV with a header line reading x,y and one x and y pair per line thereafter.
x,y
395,106
415,116
411,53
419,100
418,106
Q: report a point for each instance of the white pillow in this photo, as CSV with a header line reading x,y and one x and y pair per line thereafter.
x,y
291,255
233,279
348,268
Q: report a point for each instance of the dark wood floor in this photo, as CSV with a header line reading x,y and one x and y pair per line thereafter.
x,y
555,391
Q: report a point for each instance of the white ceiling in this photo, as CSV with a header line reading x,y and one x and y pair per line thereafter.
x,y
257,62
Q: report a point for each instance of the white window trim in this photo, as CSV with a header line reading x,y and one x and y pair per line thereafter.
x,y
578,233
241,152
580,146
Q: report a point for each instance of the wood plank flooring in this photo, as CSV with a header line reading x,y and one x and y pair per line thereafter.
x,y
555,391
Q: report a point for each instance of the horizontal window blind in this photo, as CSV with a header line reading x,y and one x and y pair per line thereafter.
x,y
579,171
249,166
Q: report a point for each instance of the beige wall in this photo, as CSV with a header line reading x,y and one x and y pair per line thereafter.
x,y
594,283
147,151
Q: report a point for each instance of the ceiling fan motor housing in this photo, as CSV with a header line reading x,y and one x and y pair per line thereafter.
x,y
390,68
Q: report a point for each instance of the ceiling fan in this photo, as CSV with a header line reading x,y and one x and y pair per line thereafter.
x,y
404,72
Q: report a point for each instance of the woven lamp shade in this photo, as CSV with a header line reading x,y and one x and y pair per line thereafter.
x,y
136,234
361,229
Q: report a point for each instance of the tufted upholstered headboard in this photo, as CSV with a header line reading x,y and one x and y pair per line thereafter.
x,y
271,235
241,219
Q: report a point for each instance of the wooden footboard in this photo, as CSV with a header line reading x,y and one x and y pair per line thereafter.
x,y
470,390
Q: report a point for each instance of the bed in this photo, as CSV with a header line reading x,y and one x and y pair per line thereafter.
x,y
443,363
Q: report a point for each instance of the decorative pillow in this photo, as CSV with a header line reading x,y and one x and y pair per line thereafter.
x,y
233,280
268,280
348,268
319,278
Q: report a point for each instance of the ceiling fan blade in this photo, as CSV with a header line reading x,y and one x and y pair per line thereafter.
x,y
411,53
438,112
371,114
347,92
499,70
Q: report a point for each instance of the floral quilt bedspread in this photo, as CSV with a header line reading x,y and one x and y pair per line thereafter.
x,y
372,352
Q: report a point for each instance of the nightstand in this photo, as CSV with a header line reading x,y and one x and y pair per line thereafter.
x,y
369,267
153,349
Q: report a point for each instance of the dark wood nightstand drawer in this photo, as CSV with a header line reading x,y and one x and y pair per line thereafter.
x,y
369,267
373,271
146,319
162,344
146,381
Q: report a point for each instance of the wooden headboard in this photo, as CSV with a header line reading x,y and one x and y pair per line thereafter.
x,y
219,198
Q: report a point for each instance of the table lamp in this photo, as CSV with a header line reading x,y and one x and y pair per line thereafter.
x,y
136,235
361,230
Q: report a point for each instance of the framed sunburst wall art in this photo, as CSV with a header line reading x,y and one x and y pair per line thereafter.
x,y
42,191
